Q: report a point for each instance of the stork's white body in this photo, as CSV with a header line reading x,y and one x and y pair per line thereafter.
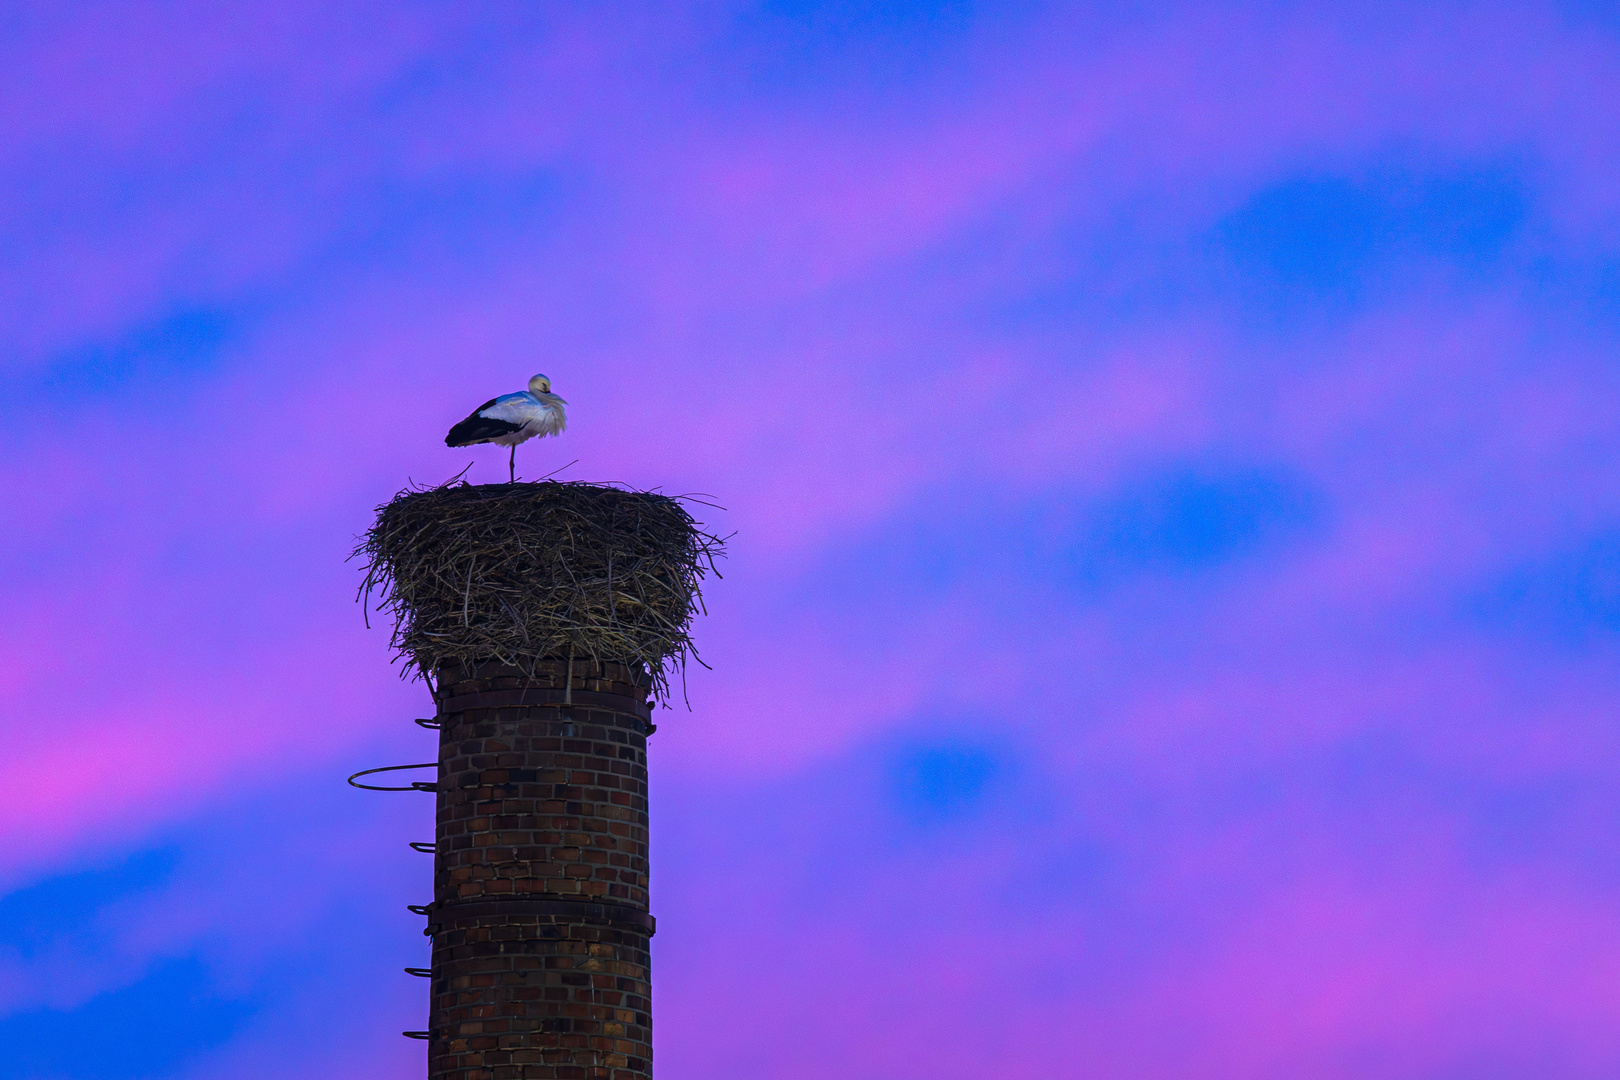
x,y
533,414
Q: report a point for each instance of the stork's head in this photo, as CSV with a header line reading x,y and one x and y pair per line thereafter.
x,y
539,385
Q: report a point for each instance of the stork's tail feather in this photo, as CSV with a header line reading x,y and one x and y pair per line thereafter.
x,y
477,429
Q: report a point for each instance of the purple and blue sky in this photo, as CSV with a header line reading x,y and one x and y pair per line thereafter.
x,y
1173,624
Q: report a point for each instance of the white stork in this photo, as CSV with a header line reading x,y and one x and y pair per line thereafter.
x,y
511,419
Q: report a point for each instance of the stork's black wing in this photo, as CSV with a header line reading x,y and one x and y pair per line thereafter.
x,y
477,429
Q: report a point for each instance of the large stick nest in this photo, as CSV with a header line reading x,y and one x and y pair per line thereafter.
x,y
517,573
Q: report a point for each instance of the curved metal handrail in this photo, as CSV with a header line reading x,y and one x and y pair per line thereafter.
x,y
417,786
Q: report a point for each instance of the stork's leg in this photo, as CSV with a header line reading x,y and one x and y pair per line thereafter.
x,y
511,466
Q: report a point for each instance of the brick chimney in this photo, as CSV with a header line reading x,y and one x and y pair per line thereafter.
x,y
540,919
